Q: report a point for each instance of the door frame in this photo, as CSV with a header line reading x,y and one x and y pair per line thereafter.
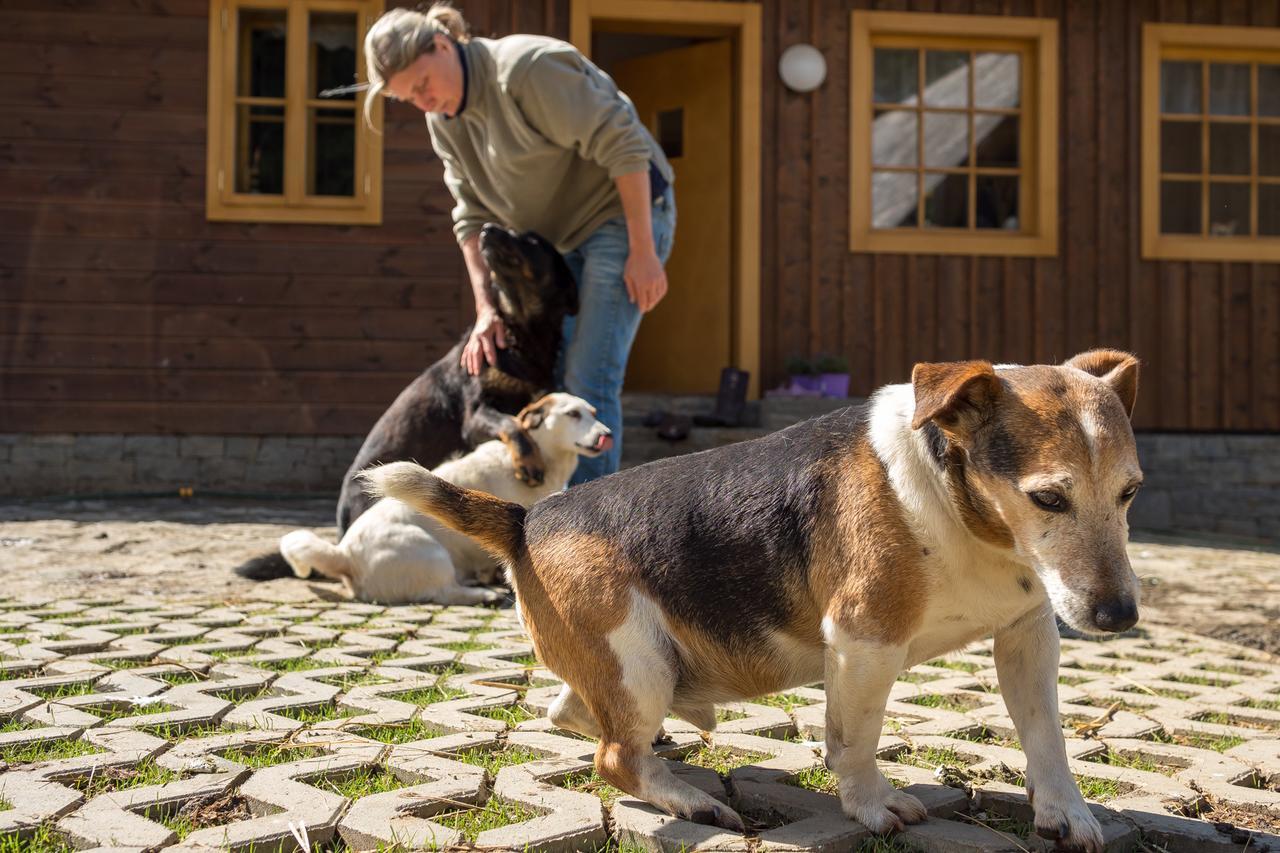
x,y
741,24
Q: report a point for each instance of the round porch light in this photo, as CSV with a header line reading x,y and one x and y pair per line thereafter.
x,y
802,67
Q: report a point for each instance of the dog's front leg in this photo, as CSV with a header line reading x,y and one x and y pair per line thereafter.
x,y
1026,654
485,423
858,677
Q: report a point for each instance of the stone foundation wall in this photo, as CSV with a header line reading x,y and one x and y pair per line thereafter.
x,y
1195,483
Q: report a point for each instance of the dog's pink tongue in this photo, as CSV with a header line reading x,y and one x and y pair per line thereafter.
x,y
604,442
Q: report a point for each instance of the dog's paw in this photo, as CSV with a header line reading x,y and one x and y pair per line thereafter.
x,y
1067,821
883,809
713,813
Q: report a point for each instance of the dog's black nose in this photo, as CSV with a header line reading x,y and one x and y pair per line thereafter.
x,y
1119,614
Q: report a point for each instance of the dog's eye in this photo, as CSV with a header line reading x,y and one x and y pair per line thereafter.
x,y
1128,494
1049,501
576,415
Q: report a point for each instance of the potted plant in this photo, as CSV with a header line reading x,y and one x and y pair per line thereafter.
x,y
833,376
802,376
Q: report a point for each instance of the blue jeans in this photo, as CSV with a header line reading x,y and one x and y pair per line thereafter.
x,y
598,340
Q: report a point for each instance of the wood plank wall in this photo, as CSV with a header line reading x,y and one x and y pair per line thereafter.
x,y
121,309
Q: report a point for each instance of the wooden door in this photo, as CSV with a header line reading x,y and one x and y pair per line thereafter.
x,y
685,97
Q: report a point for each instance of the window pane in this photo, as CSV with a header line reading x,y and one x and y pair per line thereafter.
x,y
1269,90
997,81
893,138
1228,210
262,51
1228,149
893,199
332,152
997,140
260,150
1179,207
946,78
1180,87
946,201
1269,210
1180,147
1269,150
946,139
1228,89
997,202
332,46
897,76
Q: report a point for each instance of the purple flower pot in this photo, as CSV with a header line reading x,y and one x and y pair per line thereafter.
x,y
833,384
806,383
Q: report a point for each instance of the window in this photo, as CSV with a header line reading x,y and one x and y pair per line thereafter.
x,y
1211,143
278,152
954,134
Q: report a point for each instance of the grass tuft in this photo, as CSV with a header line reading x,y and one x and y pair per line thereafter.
x,y
493,760
722,759
493,814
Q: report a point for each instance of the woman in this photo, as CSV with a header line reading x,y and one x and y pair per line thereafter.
x,y
533,136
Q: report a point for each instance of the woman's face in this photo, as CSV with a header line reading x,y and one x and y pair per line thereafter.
x,y
433,83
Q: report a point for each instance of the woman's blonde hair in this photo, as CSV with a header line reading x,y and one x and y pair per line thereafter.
x,y
398,38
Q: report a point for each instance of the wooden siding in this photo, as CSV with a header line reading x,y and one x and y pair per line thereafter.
x,y
123,310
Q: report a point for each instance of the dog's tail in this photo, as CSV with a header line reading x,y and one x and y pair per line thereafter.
x,y
496,525
306,552
265,567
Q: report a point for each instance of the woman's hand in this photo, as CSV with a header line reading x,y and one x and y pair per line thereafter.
x,y
488,336
646,279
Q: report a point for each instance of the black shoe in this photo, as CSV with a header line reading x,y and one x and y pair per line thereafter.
x,y
654,418
731,400
674,428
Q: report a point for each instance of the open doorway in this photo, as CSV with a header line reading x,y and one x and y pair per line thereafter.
x,y
693,72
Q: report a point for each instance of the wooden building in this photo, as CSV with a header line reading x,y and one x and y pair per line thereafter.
x,y
183,251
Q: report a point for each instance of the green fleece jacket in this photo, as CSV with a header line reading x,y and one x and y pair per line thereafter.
x,y
541,137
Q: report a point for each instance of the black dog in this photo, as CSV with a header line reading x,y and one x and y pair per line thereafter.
x,y
447,410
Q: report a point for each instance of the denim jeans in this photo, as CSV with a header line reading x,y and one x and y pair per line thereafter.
x,y
598,340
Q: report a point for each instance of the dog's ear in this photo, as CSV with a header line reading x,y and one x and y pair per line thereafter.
x,y
1114,367
532,415
956,395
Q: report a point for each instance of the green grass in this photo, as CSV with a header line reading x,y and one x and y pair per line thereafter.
x,y
465,646
1073,680
399,732
48,750
176,731
493,760
18,672
62,691
1224,719
1207,680
426,695
986,735
786,701
353,679
937,700
1001,823
930,757
918,677
1201,740
724,715
1233,669
513,715
1167,692
180,677
106,779
1131,762
965,666
17,725
1108,701
183,822
1099,790
123,663
241,694
816,779
111,714
363,783
589,782
722,759
271,754
880,844
1262,704
524,660
43,840
309,716
493,814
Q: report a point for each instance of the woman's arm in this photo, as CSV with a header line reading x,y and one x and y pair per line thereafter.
x,y
488,334
646,279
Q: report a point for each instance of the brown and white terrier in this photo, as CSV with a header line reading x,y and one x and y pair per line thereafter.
x,y
977,500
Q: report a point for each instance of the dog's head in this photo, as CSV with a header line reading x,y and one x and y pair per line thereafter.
x,y
1042,460
560,421
531,278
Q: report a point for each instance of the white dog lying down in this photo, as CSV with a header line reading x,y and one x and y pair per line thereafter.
x,y
393,554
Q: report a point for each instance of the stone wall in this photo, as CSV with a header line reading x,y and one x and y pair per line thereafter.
x,y
1195,483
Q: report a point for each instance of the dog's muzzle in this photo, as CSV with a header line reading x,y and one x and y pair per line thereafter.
x,y
602,442
1117,615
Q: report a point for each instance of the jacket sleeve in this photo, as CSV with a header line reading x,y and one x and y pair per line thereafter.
x,y
469,213
576,105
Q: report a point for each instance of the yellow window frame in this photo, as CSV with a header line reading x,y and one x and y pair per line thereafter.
x,y
1036,40
1205,44
222,202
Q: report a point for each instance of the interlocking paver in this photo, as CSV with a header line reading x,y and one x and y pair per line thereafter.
x,y
144,725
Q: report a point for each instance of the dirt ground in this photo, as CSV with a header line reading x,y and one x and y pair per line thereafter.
x,y
177,549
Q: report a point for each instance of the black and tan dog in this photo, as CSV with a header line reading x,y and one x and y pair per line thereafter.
x,y
446,410
974,501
